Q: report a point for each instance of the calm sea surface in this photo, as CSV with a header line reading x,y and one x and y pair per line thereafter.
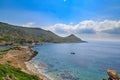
x,y
90,62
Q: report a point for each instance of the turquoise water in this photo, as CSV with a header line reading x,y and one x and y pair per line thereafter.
x,y
4,47
90,62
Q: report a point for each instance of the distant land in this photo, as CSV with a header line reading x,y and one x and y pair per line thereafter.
x,y
18,34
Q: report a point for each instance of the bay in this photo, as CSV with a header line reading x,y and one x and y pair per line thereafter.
x,y
90,61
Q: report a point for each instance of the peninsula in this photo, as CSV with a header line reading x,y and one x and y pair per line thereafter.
x,y
14,63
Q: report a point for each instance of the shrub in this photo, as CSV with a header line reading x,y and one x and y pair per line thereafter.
x,y
7,69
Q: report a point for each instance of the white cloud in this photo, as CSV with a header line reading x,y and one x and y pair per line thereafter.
x,y
87,27
29,24
107,25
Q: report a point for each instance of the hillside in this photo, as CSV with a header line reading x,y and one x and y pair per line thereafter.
x,y
18,34
8,72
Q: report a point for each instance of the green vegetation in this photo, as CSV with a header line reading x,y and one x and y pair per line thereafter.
x,y
17,34
2,52
8,71
15,48
1,56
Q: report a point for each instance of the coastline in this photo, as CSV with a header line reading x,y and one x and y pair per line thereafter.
x,y
19,57
23,55
34,70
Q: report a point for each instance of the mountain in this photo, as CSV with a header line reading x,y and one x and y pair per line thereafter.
x,y
72,38
18,34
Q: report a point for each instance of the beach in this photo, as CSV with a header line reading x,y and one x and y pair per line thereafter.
x,y
33,70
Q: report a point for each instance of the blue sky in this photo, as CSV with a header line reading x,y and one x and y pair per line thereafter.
x,y
47,13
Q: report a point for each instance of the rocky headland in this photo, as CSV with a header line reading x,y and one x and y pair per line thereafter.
x,y
19,57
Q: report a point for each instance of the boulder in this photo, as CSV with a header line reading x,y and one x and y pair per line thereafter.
x,y
112,75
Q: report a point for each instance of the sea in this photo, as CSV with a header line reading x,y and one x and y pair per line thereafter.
x,y
90,61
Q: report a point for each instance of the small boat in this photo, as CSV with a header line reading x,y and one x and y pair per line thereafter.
x,y
72,53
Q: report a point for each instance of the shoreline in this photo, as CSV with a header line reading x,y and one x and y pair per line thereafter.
x,y
34,70
20,57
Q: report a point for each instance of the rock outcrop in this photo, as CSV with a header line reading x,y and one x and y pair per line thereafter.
x,y
112,75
